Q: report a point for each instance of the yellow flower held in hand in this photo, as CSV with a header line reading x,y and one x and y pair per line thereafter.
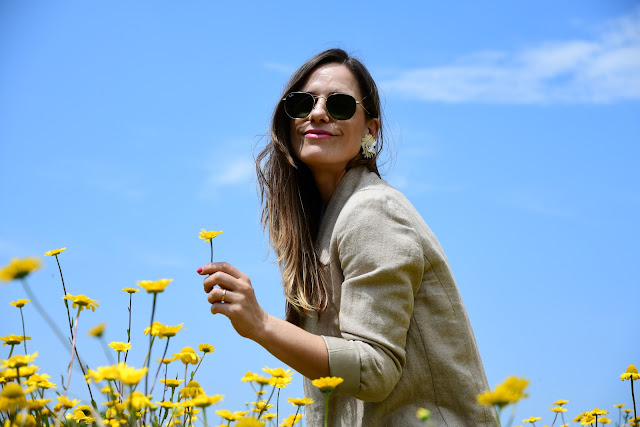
x,y
19,268
54,252
14,339
154,287
208,235
82,301
20,303
120,347
630,374
97,330
326,384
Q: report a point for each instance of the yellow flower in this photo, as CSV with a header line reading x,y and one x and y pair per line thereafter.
x,y
560,402
130,290
169,331
278,372
97,330
227,415
423,414
37,404
249,376
510,391
326,384
604,420
261,406
187,355
14,339
208,235
12,398
630,374
19,268
120,347
166,404
130,375
25,372
206,348
597,411
18,361
167,360
279,382
558,409
23,420
82,301
192,389
619,405
170,382
110,373
531,420
137,401
300,401
202,401
154,287
20,303
40,381
291,420
249,422
54,252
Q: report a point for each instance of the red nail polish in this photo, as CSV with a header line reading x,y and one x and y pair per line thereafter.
x,y
200,270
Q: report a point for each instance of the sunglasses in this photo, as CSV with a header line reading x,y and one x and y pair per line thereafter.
x,y
340,106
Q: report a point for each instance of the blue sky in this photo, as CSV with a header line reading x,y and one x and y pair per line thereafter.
x,y
126,127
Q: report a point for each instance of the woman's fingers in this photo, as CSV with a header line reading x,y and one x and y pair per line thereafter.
x,y
220,266
219,295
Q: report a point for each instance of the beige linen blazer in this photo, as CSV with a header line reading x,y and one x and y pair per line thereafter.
x,y
396,328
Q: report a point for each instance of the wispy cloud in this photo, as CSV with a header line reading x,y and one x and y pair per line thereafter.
x,y
237,172
602,70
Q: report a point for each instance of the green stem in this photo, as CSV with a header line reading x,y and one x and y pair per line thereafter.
x,y
211,242
24,334
129,329
633,397
153,312
199,363
326,408
160,366
73,347
11,351
64,289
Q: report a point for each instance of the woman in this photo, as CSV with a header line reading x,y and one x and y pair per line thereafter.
x,y
370,297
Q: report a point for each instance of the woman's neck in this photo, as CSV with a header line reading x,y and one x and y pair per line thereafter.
x,y
326,182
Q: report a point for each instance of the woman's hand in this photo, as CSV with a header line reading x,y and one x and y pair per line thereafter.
x,y
234,297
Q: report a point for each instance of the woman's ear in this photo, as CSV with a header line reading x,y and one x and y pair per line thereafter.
x,y
373,125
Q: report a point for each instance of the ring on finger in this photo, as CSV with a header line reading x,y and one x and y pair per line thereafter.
x,y
224,294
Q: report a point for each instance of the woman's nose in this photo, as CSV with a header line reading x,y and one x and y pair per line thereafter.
x,y
319,112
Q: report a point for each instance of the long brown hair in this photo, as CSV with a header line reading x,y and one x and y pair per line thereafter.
x,y
291,202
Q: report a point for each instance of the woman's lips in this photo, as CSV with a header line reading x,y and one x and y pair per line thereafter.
x,y
318,134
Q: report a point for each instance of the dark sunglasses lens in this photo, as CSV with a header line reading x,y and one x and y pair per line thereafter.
x,y
298,105
341,106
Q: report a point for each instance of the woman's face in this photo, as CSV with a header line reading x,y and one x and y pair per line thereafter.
x,y
324,144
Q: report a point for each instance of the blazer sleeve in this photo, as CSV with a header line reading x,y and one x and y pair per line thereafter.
x,y
382,262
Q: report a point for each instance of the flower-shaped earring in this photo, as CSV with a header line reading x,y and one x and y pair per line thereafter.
x,y
368,146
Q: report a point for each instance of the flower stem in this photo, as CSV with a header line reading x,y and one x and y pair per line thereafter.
x,y
64,289
73,347
24,335
160,365
43,313
326,408
153,312
211,242
128,330
199,363
633,397
11,351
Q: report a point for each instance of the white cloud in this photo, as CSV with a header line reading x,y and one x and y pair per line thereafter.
x,y
603,70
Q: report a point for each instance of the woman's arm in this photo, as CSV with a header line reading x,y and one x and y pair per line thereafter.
x,y
299,349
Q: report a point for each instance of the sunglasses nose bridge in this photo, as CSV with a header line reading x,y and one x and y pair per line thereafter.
x,y
319,110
